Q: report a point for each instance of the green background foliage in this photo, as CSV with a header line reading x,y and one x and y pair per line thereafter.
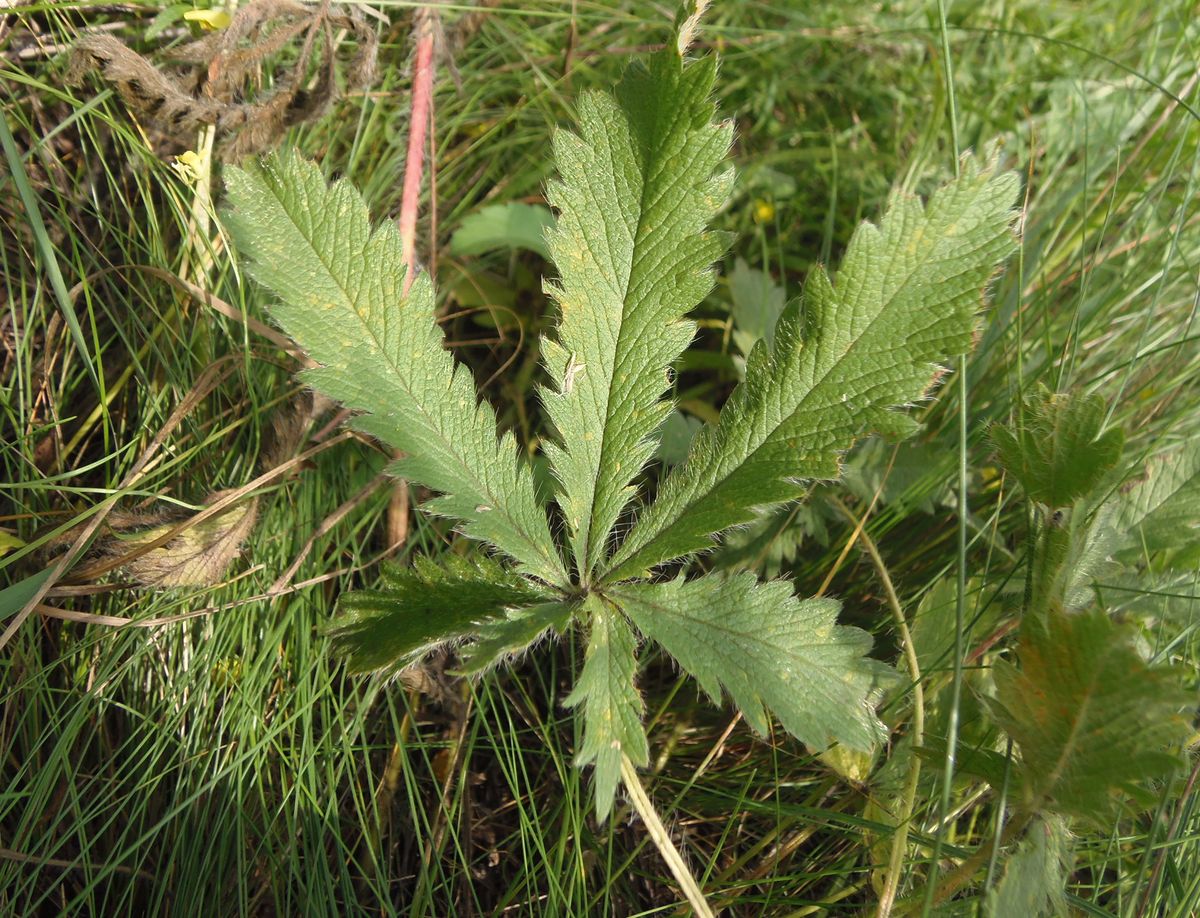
x,y
226,761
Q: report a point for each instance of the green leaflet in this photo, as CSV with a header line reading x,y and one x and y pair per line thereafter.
x,y
1035,879
636,190
339,284
503,226
612,705
419,608
905,300
517,632
1088,715
1162,511
769,650
1060,451
757,304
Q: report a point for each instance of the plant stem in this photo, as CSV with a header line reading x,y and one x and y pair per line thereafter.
x,y
960,598
966,871
908,801
414,163
662,840
424,28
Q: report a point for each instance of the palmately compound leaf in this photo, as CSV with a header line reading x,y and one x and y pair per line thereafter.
x,y
843,359
769,650
637,187
1092,720
612,705
1060,450
339,284
430,604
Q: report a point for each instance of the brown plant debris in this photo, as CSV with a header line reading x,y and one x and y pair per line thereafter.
x,y
198,556
213,84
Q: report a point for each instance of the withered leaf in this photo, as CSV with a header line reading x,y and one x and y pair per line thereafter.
x,y
214,89
198,556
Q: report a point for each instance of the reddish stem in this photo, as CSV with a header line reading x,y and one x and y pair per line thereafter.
x,y
424,27
414,166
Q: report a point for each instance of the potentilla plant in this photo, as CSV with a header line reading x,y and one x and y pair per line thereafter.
x,y
639,180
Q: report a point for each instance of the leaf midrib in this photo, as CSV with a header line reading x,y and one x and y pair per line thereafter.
x,y
399,376
767,650
1071,743
839,361
634,260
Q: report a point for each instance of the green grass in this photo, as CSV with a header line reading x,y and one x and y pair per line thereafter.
x,y
226,763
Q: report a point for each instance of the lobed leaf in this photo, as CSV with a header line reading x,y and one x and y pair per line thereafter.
x,y
340,287
757,304
1093,721
497,639
1162,511
421,607
769,650
612,705
1036,876
1060,450
503,226
843,358
637,187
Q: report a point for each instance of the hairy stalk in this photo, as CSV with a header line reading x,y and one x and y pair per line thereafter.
x,y
859,524
424,28
662,840
908,802
962,875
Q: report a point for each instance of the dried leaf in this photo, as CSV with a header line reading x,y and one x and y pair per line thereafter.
x,y
199,556
222,64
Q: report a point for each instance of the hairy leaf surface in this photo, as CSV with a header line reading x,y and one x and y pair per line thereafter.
x,y
1060,451
1035,878
421,607
612,705
1091,719
769,650
637,187
339,284
497,639
1162,511
905,300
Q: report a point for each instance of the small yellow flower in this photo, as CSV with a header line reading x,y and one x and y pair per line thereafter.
x,y
764,211
8,541
210,20
189,165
